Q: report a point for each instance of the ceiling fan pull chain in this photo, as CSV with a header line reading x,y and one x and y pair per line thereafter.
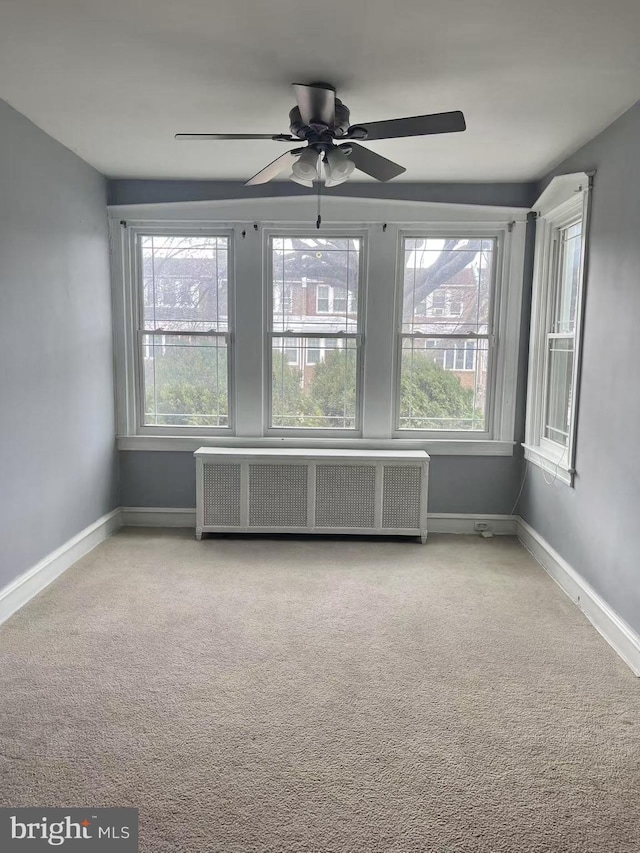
x,y
319,219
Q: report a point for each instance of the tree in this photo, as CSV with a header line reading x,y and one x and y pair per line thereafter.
x,y
290,406
320,258
454,256
432,397
185,382
333,389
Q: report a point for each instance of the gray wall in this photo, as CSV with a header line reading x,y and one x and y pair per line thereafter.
x,y
158,192
57,459
478,484
596,525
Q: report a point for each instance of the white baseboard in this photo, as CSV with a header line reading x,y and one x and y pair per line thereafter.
x,y
451,522
439,522
606,621
34,580
150,516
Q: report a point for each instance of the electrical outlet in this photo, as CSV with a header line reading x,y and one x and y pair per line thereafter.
x,y
480,526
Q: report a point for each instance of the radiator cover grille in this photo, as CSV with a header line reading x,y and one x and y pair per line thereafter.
x,y
401,496
345,495
221,503
278,495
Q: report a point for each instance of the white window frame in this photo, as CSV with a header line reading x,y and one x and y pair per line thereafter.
x,y
564,202
130,342
503,338
270,332
381,223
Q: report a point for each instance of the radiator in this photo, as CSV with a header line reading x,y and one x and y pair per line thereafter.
x,y
311,491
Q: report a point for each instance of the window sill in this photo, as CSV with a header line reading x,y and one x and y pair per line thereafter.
x,y
548,464
434,447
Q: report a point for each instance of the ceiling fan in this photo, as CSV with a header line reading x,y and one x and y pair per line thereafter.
x,y
319,119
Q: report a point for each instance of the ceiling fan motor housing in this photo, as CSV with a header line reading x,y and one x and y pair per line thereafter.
x,y
315,132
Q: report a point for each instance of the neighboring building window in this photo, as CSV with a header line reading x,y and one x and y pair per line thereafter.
x,y
446,336
339,301
455,304
556,324
287,299
437,303
183,332
291,350
283,298
325,395
460,356
322,299
314,352
332,300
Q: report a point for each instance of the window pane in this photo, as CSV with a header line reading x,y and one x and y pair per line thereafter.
x,y
443,384
566,288
314,352
322,275
323,394
185,283
559,381
339,301
447,284
185,380
322,298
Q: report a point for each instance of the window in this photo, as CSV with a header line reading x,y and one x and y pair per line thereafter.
x,y
183,330
446,356
555,324
291,350
325,397
461,355
339,301
283,297
437,303
333,300
217,330
322,299
455,306
314,352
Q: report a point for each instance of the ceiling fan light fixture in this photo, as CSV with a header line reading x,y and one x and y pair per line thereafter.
x,y
306,166
302,181
338,167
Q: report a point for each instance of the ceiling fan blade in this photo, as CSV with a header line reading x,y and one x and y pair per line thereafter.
x,y
280,164
373,164
415,126
317,104
277,137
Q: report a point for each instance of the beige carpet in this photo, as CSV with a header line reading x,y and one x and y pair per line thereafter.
x,y
322,695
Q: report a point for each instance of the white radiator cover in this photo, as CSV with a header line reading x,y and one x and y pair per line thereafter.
x,y
312,491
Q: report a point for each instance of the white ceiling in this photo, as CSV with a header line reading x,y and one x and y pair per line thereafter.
x,y
114,79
